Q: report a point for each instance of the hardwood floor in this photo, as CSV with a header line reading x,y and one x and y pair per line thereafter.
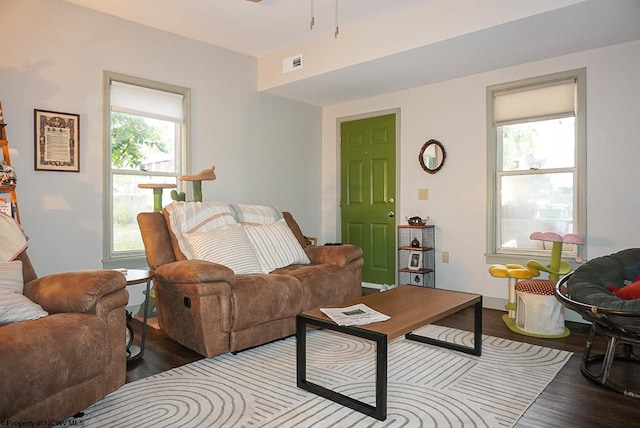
x,y
570,400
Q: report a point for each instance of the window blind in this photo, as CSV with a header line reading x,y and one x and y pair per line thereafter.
x,y
539,103
132,99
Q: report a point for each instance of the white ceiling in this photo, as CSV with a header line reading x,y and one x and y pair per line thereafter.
x,y
254,29
259,29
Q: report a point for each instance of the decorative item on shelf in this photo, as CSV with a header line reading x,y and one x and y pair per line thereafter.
x,y
7,175
196,180
415,260
416,221
5,207
415,243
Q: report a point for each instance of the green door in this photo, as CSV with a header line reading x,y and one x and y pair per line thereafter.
x,y
368,185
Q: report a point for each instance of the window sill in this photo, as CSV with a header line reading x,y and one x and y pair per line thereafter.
x,y
522,259
504,259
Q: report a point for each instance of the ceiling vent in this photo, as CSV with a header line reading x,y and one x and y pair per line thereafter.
x,y
293,63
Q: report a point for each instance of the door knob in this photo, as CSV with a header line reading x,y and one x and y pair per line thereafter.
x,y
391,214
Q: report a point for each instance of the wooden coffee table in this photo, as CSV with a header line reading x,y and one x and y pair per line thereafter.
x,y
410,308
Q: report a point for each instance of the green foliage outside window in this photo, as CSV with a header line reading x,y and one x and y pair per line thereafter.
x,y
130,137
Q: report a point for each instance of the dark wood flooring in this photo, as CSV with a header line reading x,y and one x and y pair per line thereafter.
x,y
570,400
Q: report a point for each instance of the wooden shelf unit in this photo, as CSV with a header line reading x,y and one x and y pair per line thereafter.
x,y
423,274
6,159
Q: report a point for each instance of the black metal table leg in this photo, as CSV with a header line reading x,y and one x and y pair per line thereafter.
x,y
145,319
138,276
477,336
379,411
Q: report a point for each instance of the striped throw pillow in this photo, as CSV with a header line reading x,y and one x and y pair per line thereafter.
x,y
14,306
228,246
275,245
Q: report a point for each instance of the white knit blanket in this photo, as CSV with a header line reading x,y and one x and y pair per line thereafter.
x,y
256,214
12,239
197,217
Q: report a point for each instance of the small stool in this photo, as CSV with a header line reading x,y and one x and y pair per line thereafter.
x,y
538,311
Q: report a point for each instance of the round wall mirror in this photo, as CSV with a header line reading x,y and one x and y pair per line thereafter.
x,y
432,156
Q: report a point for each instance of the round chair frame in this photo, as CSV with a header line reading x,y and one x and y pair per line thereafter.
x,y
609,324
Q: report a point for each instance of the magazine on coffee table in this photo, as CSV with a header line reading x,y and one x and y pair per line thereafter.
x,y
359,314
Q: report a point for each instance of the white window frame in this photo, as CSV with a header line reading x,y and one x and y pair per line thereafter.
x,y
494,164
133,259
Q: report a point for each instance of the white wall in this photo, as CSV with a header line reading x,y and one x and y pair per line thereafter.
x,y
454,113
266,149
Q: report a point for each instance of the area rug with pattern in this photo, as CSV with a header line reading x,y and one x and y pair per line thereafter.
x,y
427,386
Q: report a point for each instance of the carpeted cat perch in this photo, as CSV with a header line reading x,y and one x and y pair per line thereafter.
x,y
532,307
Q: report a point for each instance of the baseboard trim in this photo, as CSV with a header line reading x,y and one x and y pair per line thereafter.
x,y
371,285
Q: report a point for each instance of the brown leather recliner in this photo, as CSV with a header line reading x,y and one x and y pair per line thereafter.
x,y
56,366
206,307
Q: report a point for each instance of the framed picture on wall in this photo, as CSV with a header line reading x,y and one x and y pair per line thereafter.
x,y
415,260
57,141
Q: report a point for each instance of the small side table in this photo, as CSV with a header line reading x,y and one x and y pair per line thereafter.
x,y
139,276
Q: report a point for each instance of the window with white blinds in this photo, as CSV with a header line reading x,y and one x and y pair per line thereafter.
x,y
536,147
139,100
146,143
545,101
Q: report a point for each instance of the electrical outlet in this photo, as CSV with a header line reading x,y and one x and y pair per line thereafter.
x,y
445,257
423,194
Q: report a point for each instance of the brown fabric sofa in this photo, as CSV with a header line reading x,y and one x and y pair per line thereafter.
x,y
56,366
206,307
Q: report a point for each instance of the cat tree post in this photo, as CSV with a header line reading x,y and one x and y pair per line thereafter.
x,y
157,192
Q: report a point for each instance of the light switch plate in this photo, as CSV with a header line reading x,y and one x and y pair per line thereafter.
x,y
423,194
